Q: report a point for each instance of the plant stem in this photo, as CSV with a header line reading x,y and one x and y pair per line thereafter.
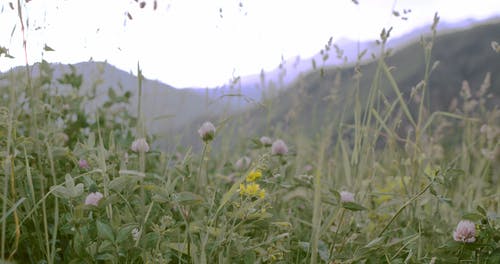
x,y
404,206
202,181
316,220
337,231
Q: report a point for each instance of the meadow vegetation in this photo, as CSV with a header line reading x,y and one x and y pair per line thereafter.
x,y
389,181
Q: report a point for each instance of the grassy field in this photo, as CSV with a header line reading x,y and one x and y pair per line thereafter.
x,y
393,183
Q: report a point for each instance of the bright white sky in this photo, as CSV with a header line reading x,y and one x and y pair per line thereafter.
x,y
186,43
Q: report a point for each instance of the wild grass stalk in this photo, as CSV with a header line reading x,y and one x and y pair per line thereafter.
x,y
324,142
55,225
6,167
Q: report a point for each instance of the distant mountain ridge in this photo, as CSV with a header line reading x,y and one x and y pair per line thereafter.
x,y
165,108
256,86
309,103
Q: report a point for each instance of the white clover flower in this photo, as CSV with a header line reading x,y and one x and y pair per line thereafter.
x,y
465,232
491,132
346,197
266,141
279,148
93,198
207,131
136,233
489,154
140,145
242,163
495,46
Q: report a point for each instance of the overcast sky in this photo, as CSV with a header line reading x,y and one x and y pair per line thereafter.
x,y
191,43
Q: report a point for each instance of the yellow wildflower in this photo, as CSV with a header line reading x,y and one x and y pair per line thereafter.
x,y
262,194
242,189
252,189
254,175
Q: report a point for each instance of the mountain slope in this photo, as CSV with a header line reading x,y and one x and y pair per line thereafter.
x,y
343,52
164,107
305,106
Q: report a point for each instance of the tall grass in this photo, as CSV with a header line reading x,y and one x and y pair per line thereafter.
x,y
374,182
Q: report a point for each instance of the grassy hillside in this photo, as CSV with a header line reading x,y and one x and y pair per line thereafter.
x,y
326,95
165,108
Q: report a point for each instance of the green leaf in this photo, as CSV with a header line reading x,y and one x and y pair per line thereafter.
x,y
377,241
445,200
123,182
59,191
249,257
74,191
187,198
59,152
104,231
229,194
105,256
12,209
323,250
353,206
111,94
69,190
91,140
160,194
47,48
433,191
181,247
472,216
305,246
150,239
481,210
78,261
125,233
256,143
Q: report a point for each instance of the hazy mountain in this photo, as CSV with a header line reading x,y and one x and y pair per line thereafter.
x,y
343,52
164,107
306,104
